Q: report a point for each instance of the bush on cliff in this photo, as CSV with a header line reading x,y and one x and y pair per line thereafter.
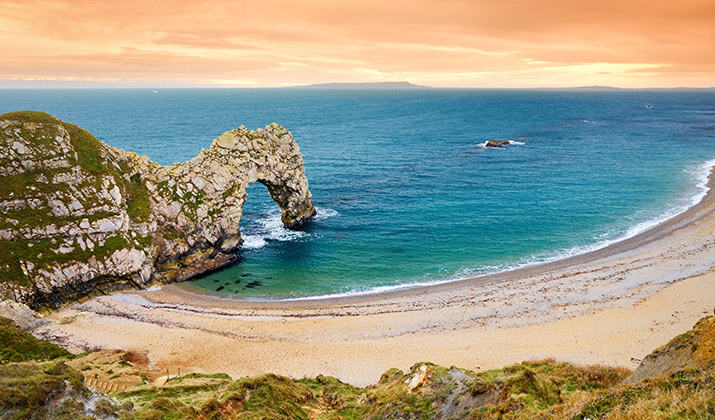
x,y
675,381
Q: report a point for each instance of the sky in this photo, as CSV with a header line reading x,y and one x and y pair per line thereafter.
x,y
445,43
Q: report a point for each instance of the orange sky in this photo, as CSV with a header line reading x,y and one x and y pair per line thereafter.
x,y
467,43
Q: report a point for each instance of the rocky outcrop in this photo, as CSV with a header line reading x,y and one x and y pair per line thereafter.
x,y
693,349
497,143
79,217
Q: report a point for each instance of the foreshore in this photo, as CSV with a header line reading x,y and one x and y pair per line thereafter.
x,y
611,306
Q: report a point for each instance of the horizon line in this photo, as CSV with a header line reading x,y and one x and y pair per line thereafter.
x,y
349,85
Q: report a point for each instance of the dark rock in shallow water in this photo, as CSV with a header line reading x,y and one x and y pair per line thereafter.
x,y
268,278
497,143
246,274
109,220
218,289
253,284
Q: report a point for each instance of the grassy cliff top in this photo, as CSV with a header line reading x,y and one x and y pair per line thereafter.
x,y
541,389
19,346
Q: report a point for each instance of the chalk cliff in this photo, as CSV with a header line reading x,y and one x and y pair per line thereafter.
x,y
78,217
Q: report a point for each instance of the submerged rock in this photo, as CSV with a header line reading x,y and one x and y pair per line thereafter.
x,y
255,283
78,217
497,143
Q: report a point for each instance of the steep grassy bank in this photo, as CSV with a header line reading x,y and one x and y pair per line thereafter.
x,y
41,381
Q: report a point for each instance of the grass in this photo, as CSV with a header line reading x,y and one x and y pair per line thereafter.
x,y
688,394
19,346
33,372
543,389
24,387
528,390
31,117
28,217
40,130
137,197
88,148
43,255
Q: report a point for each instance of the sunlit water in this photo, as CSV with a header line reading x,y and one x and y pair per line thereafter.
x,y
405,189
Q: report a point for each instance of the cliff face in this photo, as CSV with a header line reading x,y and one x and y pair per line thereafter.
x,y
694,349
78,217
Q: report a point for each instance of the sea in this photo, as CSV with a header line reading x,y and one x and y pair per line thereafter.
x,y
406,191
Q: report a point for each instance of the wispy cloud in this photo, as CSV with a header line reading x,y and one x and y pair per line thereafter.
x,y
287,42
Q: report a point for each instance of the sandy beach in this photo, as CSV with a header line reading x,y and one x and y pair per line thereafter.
x,y
611,306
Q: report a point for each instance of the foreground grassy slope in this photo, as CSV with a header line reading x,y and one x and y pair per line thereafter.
x,y
19,346
677,381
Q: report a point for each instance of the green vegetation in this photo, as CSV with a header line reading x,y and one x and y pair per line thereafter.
x,y
42,255
229,192
688,394
531,390
137,197
31,117
270,396
90,157
19,346
676,381
29,121
189,200
19,183
88,149
44,182
34,373
170,233
28,217
26,387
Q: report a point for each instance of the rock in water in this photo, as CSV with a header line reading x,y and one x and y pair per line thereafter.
x,y
497,143
78,217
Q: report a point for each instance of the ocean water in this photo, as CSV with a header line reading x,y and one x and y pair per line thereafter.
x,y
405,189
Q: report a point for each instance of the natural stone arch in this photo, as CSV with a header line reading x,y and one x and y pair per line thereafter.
x,y
293,204
220,177
105,219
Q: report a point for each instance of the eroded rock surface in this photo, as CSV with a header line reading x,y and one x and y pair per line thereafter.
x,y
693,349
78,217
497,143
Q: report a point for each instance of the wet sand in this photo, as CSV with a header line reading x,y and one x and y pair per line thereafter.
x,y
611,306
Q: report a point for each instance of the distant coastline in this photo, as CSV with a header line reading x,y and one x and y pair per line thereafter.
x,y
368,85
91,85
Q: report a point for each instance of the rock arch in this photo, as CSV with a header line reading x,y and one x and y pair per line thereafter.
x,y
78,217
213,186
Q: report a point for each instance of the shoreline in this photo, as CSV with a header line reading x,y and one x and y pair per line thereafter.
x,y
610,306
707,185
691,215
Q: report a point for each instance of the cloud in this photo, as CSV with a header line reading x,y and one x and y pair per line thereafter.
x,y
277,42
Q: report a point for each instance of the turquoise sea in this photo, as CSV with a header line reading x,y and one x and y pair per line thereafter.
x,y
405,189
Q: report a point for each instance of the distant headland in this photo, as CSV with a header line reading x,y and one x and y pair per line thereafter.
x,y
367,85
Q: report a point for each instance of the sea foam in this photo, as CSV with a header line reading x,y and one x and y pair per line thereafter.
x,y
700,176
270,228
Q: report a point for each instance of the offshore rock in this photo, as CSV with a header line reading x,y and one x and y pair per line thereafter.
x,y
79,218
497,143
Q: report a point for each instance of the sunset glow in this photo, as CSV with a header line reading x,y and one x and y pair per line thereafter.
x,y
451,43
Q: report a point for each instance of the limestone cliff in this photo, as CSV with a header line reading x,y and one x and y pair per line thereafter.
x,y
78,217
